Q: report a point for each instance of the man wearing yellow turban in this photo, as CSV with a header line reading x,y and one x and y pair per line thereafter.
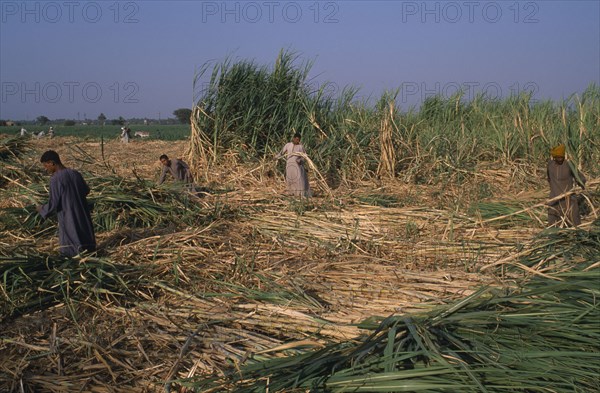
x,y
562,177
558,151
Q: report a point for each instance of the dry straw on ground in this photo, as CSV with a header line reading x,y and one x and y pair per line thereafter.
x,y
259,275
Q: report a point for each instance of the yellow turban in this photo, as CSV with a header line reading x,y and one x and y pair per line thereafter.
x,y
558,151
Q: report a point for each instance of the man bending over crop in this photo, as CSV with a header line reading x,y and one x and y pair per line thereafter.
x,y
68,193
177,168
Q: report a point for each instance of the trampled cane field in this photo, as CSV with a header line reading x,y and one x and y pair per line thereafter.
x,y
421,264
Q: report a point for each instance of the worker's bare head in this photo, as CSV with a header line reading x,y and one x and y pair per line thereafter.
x,y
296,139
51,161
164,159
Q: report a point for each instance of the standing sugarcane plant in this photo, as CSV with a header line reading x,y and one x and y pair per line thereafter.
x,y
387,161
244,105
253,110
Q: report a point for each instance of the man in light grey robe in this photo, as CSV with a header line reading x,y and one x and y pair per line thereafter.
x,y
562,177
295,173
68,192
177,168
125,134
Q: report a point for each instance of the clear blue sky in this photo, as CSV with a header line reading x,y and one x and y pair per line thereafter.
x,y
70,59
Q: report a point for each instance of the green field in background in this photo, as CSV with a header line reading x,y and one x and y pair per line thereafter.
x,y
157,131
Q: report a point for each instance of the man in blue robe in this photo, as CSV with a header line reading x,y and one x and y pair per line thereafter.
x,y
68,193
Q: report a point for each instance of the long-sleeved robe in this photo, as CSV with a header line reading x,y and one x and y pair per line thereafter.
x,y
295,173
125,136
178,169
68,200
561,180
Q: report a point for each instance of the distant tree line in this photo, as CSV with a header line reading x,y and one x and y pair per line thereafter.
x,y
182,116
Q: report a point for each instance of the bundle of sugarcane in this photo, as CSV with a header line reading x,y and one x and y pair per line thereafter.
x,y
116,203
513,212
13,147
36,282
13,170
120,202
408,232
20,218
542,336
25,222
554,250
15,175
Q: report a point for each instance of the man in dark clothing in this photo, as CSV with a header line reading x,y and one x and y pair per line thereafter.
x,y
68,193
562,177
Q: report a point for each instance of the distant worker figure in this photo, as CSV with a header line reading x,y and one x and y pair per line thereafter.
x,y
177,168
295,174
51,132
68,192
125,134
562,176
23,131
41,134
